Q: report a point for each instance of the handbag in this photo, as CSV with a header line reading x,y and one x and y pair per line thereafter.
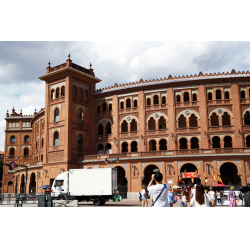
x,y
165,186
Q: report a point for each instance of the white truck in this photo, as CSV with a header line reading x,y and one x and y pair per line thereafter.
x,y
97,185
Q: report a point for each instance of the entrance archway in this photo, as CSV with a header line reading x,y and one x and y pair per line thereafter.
x,y
189,167
22,186
32,188
122,183
148,171
229,174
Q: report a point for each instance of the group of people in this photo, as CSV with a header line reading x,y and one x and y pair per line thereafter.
x,y
162,195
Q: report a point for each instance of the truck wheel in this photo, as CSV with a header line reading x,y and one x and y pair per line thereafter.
x,y
97,201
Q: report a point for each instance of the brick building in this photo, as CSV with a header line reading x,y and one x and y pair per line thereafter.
x,y
194,124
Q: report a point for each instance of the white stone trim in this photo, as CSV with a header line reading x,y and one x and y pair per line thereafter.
x,y
187,113
156,116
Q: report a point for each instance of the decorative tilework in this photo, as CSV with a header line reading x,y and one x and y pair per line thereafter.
x,y
129,119
156,116
187,113
220,111
104,122
198,163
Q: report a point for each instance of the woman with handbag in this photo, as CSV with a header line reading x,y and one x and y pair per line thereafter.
x,y
231,197
143,196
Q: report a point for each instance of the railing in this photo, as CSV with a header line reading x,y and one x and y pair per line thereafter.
x,y
189,129
221,128
185,104
101,157
156,106
219,101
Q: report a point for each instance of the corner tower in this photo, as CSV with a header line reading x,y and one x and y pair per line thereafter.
x,y
68,115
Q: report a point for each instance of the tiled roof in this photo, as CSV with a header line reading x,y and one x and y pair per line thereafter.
x,y
170,79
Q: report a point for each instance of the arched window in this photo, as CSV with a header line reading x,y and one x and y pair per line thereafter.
x,y
128,103
80,93
133,126
209,96
100,149
152,145
248,141
227,142
110,106
74,91
122,105
100,129
42,142
52,94
226,119
183,143
79,142
193,121
57,93
242,94
163,144
108,129
163,100
124,127
156,99
135,103
247,118
186,97
98,109
12,152
151,124
216,142
178,98
124,147
148,101
56,138
41,157
26,138
12,138
56,115
218,94
26,152
108,148
85,95
194,143
194,97
214,119
226,95
62,91
162,123
80,116
134,146
182,123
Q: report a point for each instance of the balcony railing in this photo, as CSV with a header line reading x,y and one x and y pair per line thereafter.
x,y
219,101
101,157
185,104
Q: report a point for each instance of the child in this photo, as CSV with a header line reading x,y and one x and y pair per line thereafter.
x,y
183,199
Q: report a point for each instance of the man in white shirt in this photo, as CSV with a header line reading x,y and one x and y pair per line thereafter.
x,y
156,190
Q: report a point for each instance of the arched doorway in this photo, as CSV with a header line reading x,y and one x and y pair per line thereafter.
x,y
122,183
148,171
22,186
10,187
229,174
32,188
186,171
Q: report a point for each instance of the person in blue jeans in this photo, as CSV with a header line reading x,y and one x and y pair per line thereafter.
x,y
183,199
143,196
170,197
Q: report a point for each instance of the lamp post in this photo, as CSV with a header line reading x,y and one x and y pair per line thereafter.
x,y
111,160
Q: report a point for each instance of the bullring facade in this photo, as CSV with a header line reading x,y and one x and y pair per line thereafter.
x,y
198,124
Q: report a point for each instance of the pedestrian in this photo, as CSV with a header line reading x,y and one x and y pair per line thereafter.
x,y
143,196
159,191
212,194
231,197
218,197
193,191
151,200
201,199
183,199
175,198
171,196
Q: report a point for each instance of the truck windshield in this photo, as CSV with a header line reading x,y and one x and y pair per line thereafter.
x,y
60,182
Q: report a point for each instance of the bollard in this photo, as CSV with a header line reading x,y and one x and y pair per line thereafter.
x,y
50,202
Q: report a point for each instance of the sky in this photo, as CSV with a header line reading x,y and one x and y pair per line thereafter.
x,y
21,63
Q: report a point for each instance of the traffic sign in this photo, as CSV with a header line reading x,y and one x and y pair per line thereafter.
x,y
12,164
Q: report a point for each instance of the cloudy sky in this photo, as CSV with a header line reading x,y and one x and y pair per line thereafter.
x,y
21,63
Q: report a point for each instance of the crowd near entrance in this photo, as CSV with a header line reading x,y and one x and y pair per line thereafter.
x,y
189,168
229,174
122,183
